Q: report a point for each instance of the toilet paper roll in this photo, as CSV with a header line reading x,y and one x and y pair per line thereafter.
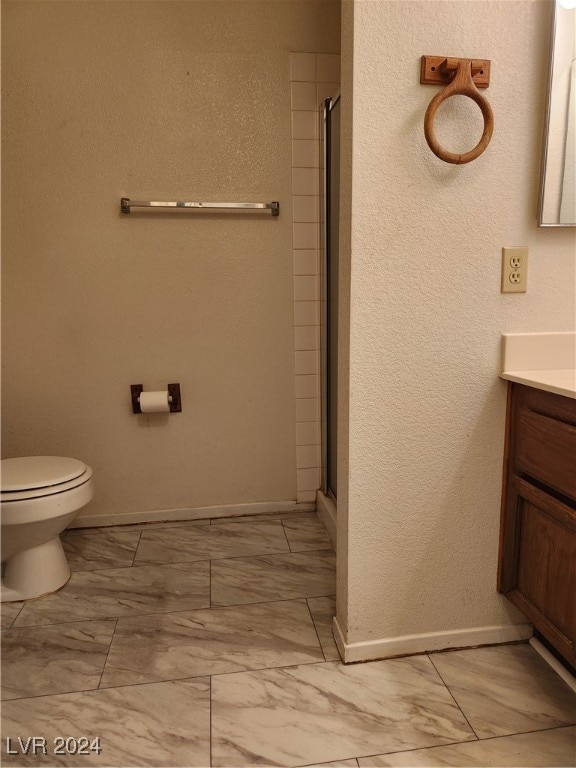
x,y
154,402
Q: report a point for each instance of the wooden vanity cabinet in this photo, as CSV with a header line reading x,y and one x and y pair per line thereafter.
x,y
537,562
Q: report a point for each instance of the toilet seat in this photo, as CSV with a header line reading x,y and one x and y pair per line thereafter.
x,y
32,477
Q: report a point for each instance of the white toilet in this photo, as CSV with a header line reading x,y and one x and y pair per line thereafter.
x,y
40,496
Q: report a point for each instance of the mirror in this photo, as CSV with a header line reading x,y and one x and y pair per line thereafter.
x,y
558,189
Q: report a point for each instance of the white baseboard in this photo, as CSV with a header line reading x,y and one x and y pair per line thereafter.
x,y
552,661
197,513
327,513
408,645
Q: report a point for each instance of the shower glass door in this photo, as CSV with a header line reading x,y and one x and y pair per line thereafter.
x,y
331,195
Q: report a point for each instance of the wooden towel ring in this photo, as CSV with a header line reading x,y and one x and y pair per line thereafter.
x,y
461,85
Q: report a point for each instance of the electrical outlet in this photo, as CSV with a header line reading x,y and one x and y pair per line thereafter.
x,y
514,269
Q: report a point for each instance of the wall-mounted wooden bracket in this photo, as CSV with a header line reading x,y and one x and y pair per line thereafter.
x,y
440,70
135,392
459,78
175,398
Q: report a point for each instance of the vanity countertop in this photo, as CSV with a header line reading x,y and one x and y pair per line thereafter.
x,y
561,381
542,360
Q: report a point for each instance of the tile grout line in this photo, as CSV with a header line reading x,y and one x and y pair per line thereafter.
x,y
453,697
18,614
286,536
209,585
464,743
521,733
153,525
234,557
154,564
278,600
315,628
136,549
338,760
67,621
168,613
418,749
265,517
202,522
107,654
105,568
176,680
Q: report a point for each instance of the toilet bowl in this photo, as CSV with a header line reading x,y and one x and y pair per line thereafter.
x,y
40,496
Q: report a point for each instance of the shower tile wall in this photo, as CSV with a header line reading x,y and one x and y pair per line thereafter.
x,y
313,78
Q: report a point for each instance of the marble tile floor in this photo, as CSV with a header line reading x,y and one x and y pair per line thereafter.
x,y
209,643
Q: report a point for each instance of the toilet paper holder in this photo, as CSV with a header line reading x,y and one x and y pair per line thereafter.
x,y
174,398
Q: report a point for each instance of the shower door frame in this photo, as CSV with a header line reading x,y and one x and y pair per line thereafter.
x,y
326,394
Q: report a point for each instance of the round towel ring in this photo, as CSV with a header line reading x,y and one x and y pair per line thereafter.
x,y
461,85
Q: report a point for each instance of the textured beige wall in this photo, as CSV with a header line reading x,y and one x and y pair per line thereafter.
x,y
427,407
344,278
152,100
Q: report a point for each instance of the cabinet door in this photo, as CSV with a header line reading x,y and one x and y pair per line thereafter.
x,y
545,565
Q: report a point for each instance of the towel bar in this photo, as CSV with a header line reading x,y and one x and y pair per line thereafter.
x,y
126,204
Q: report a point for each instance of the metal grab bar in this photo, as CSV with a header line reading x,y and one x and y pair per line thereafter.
x,y
126,204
